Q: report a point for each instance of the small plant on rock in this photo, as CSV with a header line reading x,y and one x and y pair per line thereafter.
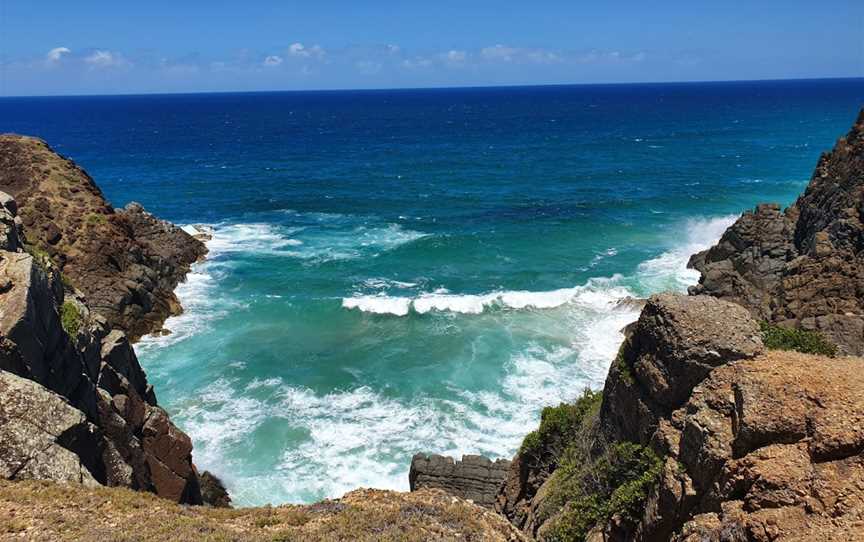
x,y
808,342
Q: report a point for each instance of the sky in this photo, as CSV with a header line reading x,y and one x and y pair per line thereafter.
x,y
50,47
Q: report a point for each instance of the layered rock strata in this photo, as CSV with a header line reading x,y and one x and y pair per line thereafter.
x,y
475,478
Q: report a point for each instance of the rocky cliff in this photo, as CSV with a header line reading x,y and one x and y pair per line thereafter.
x,y
127,263
74,401
802,267
700,435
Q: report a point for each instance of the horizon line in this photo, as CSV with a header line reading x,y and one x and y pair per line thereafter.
x,y
446,87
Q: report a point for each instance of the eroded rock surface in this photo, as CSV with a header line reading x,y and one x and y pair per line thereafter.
x,y
754,445
803,267
127,263
99,391
475,478
43,437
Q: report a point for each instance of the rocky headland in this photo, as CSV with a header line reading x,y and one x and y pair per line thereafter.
x,y
126,262
735,413
802,267
76,278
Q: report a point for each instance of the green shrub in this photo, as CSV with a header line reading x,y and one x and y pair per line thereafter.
x,y
561,423
96,218
799,340
70,318
623,367
593,491
40,256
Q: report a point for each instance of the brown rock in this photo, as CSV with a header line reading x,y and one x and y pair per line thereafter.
x,y
803,267
127,263
475,478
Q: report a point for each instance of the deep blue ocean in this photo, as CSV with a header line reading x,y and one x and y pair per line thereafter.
x,y
398,271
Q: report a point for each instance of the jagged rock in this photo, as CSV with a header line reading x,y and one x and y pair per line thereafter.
x,y
771,447
803,267
127,263
43,437
10,224
673,346
98,373
475,478
213,491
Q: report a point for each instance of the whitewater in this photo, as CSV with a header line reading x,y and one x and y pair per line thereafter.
x,y
362,437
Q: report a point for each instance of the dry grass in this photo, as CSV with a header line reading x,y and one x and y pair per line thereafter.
x,y
47,511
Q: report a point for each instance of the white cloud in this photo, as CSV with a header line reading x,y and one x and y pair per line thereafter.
x,y
504,53
456,56
499,52
273,60
105,59
416,63
55,54
393,49
300,50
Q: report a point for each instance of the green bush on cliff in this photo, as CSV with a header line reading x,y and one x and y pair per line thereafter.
x,y
70,318
590,492
799,340
559,424
96,218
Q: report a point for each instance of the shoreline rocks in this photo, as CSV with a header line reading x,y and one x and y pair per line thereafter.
x,y
60,359
474,477
126,262
802,267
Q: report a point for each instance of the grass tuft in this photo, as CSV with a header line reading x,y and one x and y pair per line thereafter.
x,y
70,318
807,342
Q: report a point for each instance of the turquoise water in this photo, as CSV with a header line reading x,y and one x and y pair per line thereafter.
x,y
403,271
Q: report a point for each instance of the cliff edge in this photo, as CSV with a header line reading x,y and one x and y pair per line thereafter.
x,y
127,262
802,267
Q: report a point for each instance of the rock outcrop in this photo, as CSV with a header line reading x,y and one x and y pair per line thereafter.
x,y
743,444
802,267
43,437
85,377
474,478
127,263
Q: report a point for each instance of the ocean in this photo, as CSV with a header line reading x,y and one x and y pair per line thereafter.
x,y
399,271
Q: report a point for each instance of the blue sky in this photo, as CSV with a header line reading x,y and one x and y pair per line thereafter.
x,y
96,47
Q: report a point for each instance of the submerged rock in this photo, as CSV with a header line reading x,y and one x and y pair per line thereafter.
x,y
475,478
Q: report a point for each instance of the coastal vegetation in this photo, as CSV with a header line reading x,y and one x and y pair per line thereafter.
x,y
70,318
799,340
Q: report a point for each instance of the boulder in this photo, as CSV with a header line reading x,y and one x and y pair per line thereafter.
x,y
475,478
673,346
43,437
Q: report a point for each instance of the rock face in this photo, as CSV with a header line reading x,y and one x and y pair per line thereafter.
x,y
101,411
43,437
126,263
803,267
753,445
475,478
673,346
